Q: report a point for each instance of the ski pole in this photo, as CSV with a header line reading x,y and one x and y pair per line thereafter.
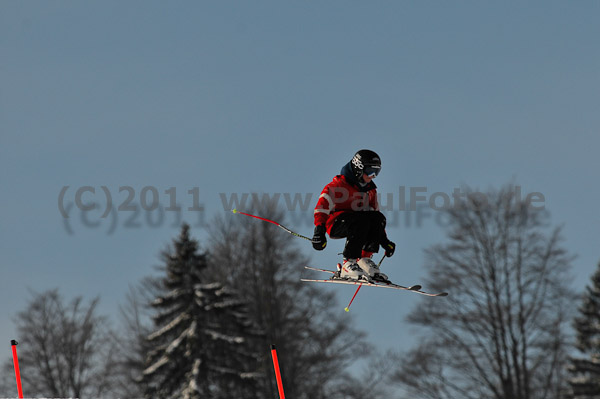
x,y
14,344
275,223
347,308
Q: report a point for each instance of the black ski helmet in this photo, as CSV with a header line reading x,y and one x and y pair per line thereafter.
x,y
366,161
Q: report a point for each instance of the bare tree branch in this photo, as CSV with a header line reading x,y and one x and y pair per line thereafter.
x,y
66,348
501,332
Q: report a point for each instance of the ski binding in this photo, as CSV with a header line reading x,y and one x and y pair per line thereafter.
x,y
370,283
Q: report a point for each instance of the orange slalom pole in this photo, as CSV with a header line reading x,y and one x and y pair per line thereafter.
x,y
14,344
277,372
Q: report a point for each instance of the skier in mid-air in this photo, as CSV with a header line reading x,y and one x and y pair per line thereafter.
x,y
348,208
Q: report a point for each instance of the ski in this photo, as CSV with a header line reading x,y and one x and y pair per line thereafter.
x,y
381,284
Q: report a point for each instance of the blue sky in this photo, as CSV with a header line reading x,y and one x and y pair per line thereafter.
x,y
274,97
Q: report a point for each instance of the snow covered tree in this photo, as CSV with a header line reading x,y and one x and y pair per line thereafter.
x,y
203,345
502,331
315,341
585,380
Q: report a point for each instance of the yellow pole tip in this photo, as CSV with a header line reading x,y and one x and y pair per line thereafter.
x,y
234,210
346,309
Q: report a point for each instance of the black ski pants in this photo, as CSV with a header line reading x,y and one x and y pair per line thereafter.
x,y
363,230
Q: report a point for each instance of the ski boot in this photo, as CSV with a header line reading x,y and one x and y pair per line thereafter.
x,y
351,271
371,269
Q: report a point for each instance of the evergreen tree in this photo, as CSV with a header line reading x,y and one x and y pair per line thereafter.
x,y
203,342
585,380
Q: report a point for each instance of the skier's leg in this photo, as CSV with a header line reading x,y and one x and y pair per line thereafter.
x,y
376,233
354,226
351,225
375,227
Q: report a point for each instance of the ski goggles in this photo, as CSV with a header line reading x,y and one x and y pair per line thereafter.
x,y
371,171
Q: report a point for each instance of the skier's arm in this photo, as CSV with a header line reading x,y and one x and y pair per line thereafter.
x,y
325,206
373,203
323,209
388,246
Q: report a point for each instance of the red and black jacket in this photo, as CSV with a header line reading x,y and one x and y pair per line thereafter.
x,y
344,194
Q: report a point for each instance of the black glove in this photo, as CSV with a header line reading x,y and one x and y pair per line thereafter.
x,y
319,241
389,247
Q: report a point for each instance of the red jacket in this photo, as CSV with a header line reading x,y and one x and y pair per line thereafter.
x,y
341,195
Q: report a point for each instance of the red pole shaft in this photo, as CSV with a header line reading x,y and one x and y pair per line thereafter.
x,y
274,222
14,344
256,217
351,300
277,372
